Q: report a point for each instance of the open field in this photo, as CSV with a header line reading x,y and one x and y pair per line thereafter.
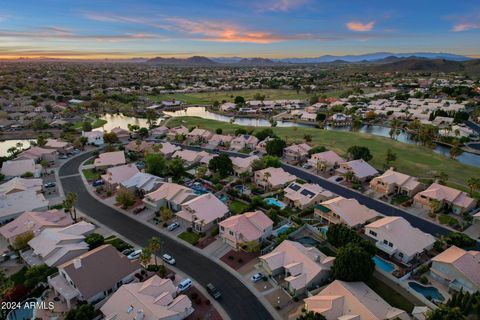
x,y
229,96
413,160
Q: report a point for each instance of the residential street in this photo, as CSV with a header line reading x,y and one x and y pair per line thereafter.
x,y
237,300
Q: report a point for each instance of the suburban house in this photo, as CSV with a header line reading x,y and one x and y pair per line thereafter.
x,y
201,213
177,131
302,267
308,116
33,222
168,149
20,184
109,159
38,154
122,134
227,106
94,137
117,175
138,146
393,182
452,199
17,168
242,165
159,132
360,168
170,195
198,135
54,246
352,300
60,146
142,183
190,157
273,178
262,145
219,140
94,275
15,203
325,160
346,211
246,228
458,269
397,238
296,153
244,141
153,299
306,195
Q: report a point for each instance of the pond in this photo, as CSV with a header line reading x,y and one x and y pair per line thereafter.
x,y
7,144
428,292
119,120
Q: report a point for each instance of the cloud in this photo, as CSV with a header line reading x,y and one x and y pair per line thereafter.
x,y
466,26
281,5
359,26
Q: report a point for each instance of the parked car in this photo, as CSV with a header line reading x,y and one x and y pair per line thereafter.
x,y
339,179
184,285
307,166
98,183
138,209
134,255
49,185
126,252
256,277
173,226
213,291
63,156
168,259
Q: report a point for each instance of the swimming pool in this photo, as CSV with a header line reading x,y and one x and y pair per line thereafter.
x,y
240,188
307,241
275,202
382,264
223,198
23,313
281,230
323,230
428,292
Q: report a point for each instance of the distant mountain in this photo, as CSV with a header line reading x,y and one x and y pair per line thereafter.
x,y
257,62
470,67
195,60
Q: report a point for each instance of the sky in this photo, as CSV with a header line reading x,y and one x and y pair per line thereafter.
x,y
117,29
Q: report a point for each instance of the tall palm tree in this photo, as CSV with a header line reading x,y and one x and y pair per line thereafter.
x,y
69,205
474,184
154,245
348,175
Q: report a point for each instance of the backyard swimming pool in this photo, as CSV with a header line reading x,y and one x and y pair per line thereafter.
x,y
23,313
307,241
323,230
275,202
427,292
281,230
384,265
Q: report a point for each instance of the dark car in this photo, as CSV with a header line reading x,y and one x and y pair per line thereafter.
x,y
98,183
213,291
49,185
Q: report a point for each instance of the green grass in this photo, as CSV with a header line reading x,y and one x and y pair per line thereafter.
x,y
19,277
446,219
229,96
119,244
414,160
389,295
91,174
190,237
96,123
237,207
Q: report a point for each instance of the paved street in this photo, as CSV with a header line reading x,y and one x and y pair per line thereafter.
x,y
237,300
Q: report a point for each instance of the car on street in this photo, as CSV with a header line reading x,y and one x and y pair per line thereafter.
x,y
168,259
256,277
134,255
173,226
213,291
184,285
98,183
138,209
49,185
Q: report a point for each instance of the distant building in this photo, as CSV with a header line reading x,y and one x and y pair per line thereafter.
x,y
450,198
94,137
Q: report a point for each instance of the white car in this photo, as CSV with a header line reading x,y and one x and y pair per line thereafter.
x,y
173,226
168,259
256,277
134,255
184,285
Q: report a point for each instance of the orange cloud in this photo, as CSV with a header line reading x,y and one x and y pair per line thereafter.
x,y
465,27
360,27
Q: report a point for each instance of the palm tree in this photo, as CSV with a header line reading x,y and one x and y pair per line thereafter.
x,y
348,175
154,246
266,175
145,256
455,150
474,184
69,205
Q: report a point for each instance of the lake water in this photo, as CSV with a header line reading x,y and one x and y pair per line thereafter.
x,y
119,120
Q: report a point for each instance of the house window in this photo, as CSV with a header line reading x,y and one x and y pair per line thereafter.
x,y
231,233
222,228
373,233
390,244
400,255
385,242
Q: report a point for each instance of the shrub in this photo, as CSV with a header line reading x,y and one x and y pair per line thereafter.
x,y
423,280
189,229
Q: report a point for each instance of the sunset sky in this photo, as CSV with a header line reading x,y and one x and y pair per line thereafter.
x,y
261,28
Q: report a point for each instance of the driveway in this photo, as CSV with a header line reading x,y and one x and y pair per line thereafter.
x,y
237,300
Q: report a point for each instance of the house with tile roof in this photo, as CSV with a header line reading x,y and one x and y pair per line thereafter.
x,y
244,141
60,146
122,134
242,165
303,196
170,195
109,159
202,213
20,184
352,300
361,169
346,211
245,228
302,267
198,135
452,199
296,153
173,133
393,182
17,168
168,149
142,183
273,178
94,137
397,238
325,160
116,175
457,269
38,154
153,299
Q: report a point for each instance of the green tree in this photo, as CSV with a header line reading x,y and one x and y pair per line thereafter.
x,y
38,274
311,315
176,169
390,157
155,164
125,197
94,240
474,184
263,134
165,213
5,284
275,147
445,313
151,118
143,132
455,150
83,312
154,245
145,256
359,152
258,164
239,100
86,126
69,205
353,263
271,161
221,164
21,241
218,131
110,137
240,131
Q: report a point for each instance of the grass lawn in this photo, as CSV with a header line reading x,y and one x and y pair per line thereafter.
x,y
390,295
237,207
119,244
190,237
96,123
91,174
446,219
414,160
229,96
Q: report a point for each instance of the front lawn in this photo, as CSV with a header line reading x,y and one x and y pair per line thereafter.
x,y
446,219
91,174
238,207
190,237
390,295
119,244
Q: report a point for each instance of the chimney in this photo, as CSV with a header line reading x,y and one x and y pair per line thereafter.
x,y
77,263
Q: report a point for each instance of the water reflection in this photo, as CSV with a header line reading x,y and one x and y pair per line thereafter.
x,y
119,120
7,144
